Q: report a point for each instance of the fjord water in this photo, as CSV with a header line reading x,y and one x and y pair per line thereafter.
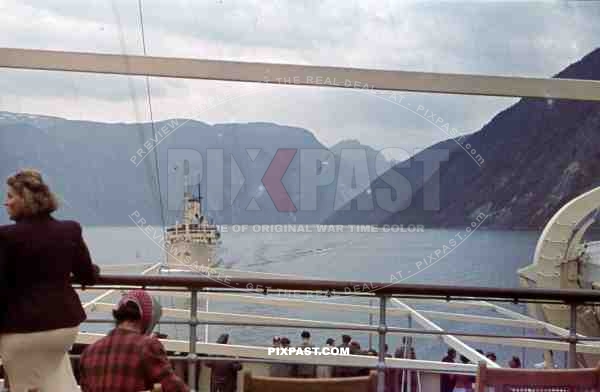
x,y
482,258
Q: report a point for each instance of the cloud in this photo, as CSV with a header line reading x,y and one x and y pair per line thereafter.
x,y
514,38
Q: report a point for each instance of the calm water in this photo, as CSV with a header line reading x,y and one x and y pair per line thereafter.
x,y
484,258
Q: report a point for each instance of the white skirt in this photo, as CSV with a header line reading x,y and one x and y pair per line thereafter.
x,y
39,360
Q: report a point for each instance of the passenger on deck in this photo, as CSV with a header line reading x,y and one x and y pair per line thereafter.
x,y
42,311
346,339
464,383
305,335
354,349
223,377
343,371
276,341
514,363
326,371
491,356
283,369
306,371
447,381
128,359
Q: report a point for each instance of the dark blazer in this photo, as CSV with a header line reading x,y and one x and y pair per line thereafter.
x,y
40,255
3,280
223,376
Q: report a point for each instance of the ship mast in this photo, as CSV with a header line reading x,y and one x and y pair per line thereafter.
x,y
200,200
191,207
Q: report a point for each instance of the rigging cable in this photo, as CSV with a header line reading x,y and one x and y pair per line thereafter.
x,y
155,149
149,97
134,99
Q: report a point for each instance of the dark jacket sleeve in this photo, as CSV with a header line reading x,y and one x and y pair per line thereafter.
x,y
84,271
3,276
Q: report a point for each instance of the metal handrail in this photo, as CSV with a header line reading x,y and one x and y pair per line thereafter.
x,y
266,285
383,291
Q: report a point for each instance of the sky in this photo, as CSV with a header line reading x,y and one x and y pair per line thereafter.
x,y
479,37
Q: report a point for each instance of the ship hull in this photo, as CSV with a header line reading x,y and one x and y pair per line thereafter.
x,y
191,255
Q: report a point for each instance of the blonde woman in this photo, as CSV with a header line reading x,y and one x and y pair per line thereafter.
x,y
42,311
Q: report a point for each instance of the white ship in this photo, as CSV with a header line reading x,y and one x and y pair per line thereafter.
x,y
192,243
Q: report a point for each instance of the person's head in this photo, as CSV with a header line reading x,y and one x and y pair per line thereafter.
x,y
285,342
354,347
330,342
491,356
451,353
28,195
305,335
223,338
346,339
399,352
138,310
514,362
386,348
276,341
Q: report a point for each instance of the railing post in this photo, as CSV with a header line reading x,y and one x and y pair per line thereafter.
x,y
370,323
523,352
407,351
192,357
381,357
206,325
573,337
408,371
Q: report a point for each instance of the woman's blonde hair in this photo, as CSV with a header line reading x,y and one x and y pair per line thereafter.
x,y
38,199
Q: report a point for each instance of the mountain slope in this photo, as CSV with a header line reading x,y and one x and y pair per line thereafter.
x,y
538,154
89,165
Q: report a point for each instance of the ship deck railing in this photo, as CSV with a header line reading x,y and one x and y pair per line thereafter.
x,y
392,300
207,229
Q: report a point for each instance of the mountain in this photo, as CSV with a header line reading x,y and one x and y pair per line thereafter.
x,y
104,172
349,154
533,157
393,190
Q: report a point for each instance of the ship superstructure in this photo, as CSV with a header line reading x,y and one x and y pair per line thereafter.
x,y
194,241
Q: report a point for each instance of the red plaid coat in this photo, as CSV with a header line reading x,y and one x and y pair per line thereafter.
x,y
126,361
